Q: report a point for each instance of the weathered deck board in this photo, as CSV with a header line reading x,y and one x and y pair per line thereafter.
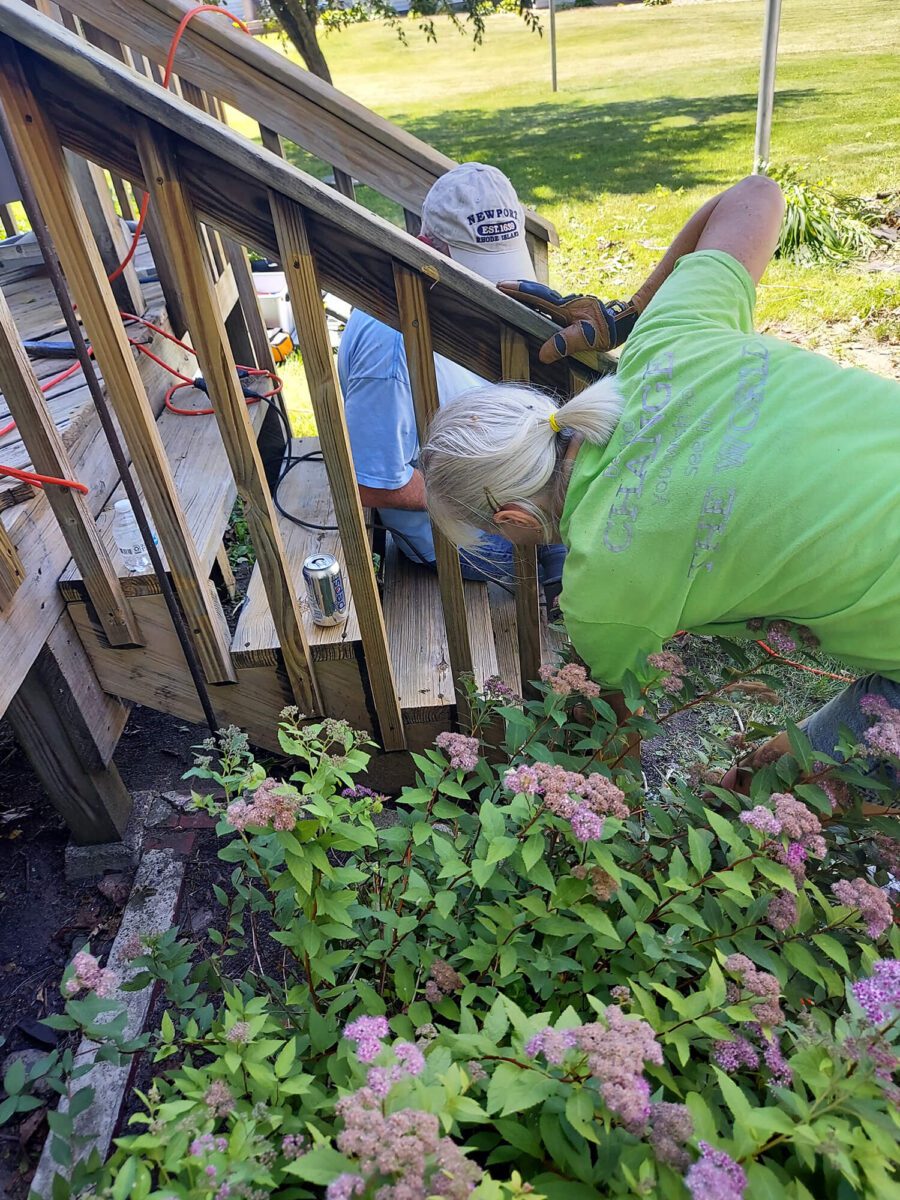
x,y
304,493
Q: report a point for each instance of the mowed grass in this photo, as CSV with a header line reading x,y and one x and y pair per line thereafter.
x,y
655,112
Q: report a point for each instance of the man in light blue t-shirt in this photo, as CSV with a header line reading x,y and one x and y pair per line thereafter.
x,y
473,215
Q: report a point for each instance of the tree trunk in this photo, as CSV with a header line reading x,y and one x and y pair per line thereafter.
x,y
299,23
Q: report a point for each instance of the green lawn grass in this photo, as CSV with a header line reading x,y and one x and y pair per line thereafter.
x,y
655,112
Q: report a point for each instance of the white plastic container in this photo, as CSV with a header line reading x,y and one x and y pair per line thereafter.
x,y
127,536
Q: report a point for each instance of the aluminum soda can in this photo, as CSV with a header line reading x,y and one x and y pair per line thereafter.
x,y
325,589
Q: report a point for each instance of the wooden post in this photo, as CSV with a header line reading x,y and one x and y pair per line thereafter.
x,y
539,249
177,219
39,149
68,727
514,358
12,573
91,184
45,447
414,324
299,267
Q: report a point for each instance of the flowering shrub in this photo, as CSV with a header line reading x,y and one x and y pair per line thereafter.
x,y
536,977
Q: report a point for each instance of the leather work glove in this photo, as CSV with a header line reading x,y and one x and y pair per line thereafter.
x,y
588,323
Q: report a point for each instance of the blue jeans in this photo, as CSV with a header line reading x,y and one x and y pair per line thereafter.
x,y
823,727
493,563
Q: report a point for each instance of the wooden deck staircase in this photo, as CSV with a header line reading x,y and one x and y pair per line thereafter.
x,y
395,667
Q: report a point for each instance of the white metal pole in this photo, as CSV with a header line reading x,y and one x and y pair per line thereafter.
x,y
553,44
766,103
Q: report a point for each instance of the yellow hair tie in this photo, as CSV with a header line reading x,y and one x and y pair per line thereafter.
x,y
554,424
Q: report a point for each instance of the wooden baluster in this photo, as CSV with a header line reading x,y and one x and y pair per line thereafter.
x,y
271,140
514,359
343,183
169,197
46,450
299,266
8,221
42,155
415,326
12,573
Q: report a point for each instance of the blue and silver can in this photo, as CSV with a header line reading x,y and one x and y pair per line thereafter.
x,y
325,589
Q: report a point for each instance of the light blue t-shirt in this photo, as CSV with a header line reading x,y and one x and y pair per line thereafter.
x,y
381,419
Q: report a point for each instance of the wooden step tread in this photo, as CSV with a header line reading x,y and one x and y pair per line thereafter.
x,y
417,637
202,475
304,493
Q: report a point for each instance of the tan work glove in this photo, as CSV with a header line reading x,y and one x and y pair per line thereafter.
x,y
589,324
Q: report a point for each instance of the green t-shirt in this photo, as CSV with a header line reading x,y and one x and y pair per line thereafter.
x,y
747,478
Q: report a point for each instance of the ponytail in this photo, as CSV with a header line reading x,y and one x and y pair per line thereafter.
x,y
503,443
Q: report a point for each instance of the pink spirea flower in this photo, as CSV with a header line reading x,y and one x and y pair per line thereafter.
x,y
90,976
879,995
273,805
566,793
460,749
405,1147
616,1052
779,1072
410,1057
554,1044
674,668
586,825
293,1145
761,818
779,638
671,1126
368,1033
874,906
882,737
758,983
239,1032
568,680
218,1098
715,1176
799,823
782,912
345,1186
735,1055
206,1143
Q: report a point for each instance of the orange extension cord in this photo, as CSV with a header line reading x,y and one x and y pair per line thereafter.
x,y
38,480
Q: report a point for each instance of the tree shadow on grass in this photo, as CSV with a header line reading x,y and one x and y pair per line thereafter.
x,y
557,152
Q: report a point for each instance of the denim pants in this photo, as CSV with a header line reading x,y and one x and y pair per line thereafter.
x,y
823,727
493,562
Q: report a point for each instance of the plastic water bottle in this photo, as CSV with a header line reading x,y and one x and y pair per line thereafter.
x,y
127,536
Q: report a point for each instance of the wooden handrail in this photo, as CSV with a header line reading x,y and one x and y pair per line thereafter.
x,y
94,101
198,171
265,85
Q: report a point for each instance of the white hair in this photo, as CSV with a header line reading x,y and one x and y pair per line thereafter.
x,y
495,445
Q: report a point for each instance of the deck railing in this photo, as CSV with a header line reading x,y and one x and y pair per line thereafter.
x,y
60,94
285,100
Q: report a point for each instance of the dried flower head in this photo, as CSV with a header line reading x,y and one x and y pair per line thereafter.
x,y
570,679
873,904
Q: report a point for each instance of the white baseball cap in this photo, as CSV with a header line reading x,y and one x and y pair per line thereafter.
x,y
475,210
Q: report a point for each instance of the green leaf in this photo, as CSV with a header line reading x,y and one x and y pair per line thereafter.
x,y
445,902
698,843
14,1079
733,1096
285,1060
501,848
167,1028
800,957
580,1113
533,850
513,1089
832,947
777,873
320,1165
492,820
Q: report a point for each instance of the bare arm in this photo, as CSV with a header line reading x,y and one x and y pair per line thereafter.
x,y
743,222
411,496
